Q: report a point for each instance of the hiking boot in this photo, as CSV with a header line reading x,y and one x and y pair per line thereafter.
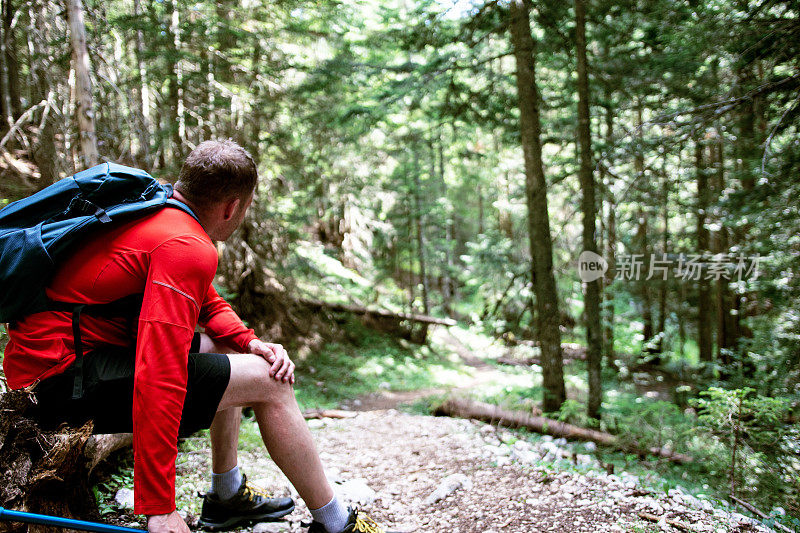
x,y
355,523
250,504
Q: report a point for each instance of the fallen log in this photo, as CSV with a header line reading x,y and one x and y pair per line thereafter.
x,y
356,309
515,419
674,523
328,413
47,472
760,514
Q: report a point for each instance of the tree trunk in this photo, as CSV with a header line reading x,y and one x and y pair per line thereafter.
x,y
360,310
11,59
177,124
412,284
643,247
516,419
662,283
611,248
591,289
141,100
481,226
447,283
43,151
83,84
681,318
252,142
48,472
726,329
538,219
420,227
642,243
704,322
207,88
5,97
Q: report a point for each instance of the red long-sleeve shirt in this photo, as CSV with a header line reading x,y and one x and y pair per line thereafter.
x,y
169,258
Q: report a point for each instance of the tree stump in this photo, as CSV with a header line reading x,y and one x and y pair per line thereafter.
x,y
47,472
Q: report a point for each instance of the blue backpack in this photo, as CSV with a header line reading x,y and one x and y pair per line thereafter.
x,y
36,233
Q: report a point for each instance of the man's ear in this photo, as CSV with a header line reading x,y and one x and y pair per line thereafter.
x,y
231,208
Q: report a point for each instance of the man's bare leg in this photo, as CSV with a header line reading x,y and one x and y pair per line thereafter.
x,y
283,428
224,430
224,436
281,423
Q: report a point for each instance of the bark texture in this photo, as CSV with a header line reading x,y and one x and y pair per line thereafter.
x,y
538,219
48,472
591,312
704,318
516,419
83,84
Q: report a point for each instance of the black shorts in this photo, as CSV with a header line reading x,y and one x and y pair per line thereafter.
x,y
108,392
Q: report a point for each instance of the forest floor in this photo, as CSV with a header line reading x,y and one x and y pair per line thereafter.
x,y
418,473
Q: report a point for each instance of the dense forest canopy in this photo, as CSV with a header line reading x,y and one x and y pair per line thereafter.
x,y
462,156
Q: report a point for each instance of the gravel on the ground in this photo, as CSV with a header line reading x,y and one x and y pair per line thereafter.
x,y
416,473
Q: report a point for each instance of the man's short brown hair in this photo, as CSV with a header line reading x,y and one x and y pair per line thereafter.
x,y
217,171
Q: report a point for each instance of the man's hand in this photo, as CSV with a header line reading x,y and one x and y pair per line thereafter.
x,y
167,523
282,367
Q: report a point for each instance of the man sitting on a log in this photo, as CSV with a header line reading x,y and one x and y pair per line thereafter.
x,y
155,377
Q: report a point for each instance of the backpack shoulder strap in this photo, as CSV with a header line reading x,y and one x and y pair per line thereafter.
x,y
172,202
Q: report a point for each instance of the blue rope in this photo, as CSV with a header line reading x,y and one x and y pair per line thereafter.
x,y
69,523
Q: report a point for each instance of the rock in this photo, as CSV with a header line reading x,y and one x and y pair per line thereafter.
x,y
522,445
721,515
503,461
316,423
124,498
744,520
356,491
692,502
590,446
524,456
778,511
487,429
271,527
448,486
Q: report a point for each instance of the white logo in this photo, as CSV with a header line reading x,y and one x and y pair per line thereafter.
x,y
591,266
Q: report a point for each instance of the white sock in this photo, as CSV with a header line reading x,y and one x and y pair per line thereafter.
x,y
227,484
333,516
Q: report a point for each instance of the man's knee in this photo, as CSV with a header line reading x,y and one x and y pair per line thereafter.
x,y
251,383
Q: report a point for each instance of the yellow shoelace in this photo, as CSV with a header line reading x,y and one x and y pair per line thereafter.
x,y
252,489
366,524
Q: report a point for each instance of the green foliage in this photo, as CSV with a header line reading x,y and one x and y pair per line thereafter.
x,y
367,362
105,491
759,446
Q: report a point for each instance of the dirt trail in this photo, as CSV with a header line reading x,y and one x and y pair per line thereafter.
x,y
392,463
481,373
